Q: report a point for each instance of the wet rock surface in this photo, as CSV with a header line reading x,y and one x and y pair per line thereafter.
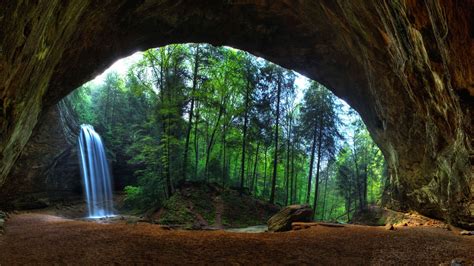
x,y
405,66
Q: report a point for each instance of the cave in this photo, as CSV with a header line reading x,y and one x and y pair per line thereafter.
x,y
405,66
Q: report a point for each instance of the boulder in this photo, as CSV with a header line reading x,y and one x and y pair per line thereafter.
x,y
466,233
282,221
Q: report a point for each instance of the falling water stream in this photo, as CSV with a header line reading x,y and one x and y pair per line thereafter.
x,y
95,173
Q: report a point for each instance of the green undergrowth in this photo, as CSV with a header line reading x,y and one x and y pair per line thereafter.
x,y
198,199
243,211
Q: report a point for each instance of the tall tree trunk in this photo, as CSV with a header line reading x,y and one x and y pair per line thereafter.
x,y
297,200
224,164
358,179
365,185
169,182
264,172
331,203
244,137
325,190
311,164
191,113
248,176
275,159
288,164
293,183
196,143
211,140
318,167
254,175
235,173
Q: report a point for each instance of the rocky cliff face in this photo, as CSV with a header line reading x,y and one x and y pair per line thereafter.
x,y
47,169
404,65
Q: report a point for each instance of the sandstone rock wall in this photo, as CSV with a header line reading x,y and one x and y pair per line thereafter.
x,y
47,169
404,65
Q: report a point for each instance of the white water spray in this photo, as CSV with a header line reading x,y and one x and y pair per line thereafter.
x,y
95,173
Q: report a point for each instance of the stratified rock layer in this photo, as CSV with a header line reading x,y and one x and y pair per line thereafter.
x,y
48,168
405,66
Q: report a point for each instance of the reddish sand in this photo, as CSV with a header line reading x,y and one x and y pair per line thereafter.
x,y
45,239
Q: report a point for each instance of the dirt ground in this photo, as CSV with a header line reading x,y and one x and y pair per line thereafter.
x,y
45,239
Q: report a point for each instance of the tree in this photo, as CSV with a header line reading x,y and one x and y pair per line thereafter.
x,y
195,77
276,79
319,123
360,165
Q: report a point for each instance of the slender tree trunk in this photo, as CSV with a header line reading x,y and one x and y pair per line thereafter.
x,y
168,164
359,182
325,191
244,138
288,164
311,164
254,176
191,113
275,159
224,164
264,172
365,186
318,167
297,200
211,140
293,182
164,85
248,176
332,206
235,172
196,144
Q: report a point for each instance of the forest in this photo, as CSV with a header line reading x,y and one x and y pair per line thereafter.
x,y
195,112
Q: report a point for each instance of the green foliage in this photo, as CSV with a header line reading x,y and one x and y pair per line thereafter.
x,y
177,212
136,200
244,211
360,167
196,112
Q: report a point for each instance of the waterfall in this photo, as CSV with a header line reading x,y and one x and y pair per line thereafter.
x,y
95,173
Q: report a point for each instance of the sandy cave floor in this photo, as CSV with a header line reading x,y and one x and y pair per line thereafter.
x,y
35,238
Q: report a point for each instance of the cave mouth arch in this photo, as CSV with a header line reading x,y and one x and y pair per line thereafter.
x,y
390,74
